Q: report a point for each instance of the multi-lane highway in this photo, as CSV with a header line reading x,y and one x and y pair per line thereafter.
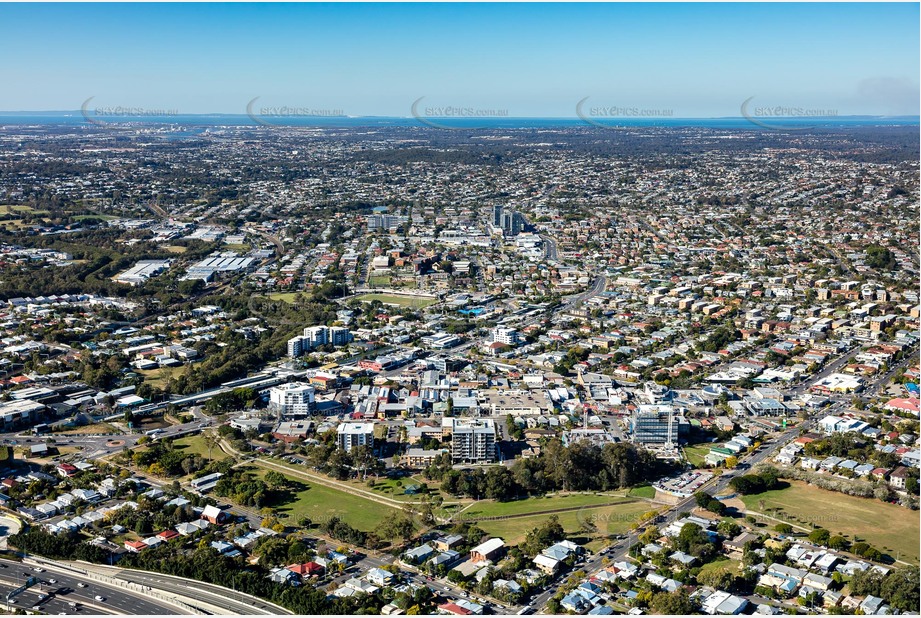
x,y
231,601
66,589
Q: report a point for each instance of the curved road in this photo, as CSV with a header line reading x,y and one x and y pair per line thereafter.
x,y
235,602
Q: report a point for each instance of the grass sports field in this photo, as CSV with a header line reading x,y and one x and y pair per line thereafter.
x,y
319,503
890,528
399,299
490,508
287,297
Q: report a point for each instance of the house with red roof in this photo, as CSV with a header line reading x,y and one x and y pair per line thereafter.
x,y
167,535
306,569
454,609
135,546
902,404
66,469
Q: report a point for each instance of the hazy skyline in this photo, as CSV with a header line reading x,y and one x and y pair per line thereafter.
x,y
683,60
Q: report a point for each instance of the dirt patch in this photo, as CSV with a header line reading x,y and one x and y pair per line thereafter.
x,y
735,503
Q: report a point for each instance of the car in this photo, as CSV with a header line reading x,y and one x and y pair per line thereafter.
x,y
99,598
52,581
81,585
36,608
39,570
72,604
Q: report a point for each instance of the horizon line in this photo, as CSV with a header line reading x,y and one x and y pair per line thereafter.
x,y
460,118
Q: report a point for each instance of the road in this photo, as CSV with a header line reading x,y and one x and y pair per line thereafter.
x,y
66,590
550,248
96,446
598,286
230,600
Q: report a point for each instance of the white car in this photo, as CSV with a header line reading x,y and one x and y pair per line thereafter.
x,y
52,581
81,585
100,598
39,570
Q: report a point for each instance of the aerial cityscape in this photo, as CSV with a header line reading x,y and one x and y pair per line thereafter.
x,y
469,346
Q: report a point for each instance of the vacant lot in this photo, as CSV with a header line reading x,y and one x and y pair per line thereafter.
x,y
722,562
319,503
644,491
196,445
158,377
890,528
696,453
95,429
399,299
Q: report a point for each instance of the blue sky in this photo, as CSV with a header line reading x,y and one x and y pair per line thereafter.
x,y
694,60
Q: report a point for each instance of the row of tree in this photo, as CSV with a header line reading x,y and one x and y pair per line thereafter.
x,y
578,467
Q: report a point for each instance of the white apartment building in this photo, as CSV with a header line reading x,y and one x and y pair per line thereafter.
x,y
293,399
508,336
473,441
350,435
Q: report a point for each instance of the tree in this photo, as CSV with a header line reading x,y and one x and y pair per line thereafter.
x,y
901,587
819,536
211,440
867,582
721,579
649,535
728,528
673,603
838,542
275,480
784,528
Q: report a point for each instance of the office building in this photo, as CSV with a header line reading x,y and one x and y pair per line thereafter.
x,y
654,425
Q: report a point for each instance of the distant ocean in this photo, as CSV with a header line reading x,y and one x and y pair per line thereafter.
x,y
242,120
